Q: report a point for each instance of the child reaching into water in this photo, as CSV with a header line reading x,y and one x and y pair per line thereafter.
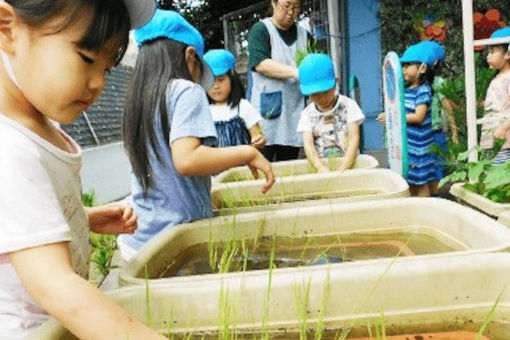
x,y
496,120
330,123
417,68
169,132
55,54
236,120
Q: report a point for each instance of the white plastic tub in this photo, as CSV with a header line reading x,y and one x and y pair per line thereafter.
x,y
308,190
478,201
293,168
415,295
504,218
441,221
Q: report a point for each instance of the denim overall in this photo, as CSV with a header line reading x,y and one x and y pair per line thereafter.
x,y
279,100
232,132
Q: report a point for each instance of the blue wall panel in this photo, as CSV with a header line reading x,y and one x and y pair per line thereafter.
x,y
364,41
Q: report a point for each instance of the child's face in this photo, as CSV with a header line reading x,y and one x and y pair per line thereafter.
x,y
220,91
58,78
324,100
410,72
194,64
496,57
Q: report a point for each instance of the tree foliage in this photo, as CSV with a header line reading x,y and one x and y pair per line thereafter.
x,y
397,30
206,16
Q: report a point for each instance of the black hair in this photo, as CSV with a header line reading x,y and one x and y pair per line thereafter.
x,y
109,21
237,91
159,62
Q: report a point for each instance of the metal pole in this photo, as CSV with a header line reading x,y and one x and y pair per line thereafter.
x,y
334,34
469,65
344,45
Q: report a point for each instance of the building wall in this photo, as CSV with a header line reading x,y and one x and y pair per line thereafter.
x,y
106,171
364,39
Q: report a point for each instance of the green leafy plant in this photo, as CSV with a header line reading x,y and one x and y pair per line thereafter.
x,y
311,48
482,177
89,198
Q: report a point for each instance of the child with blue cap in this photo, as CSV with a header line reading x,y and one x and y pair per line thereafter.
x,y
169,133
442,117
236,120
417,62
496,120
330,123
54,59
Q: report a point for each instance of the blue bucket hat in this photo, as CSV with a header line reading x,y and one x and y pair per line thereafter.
x,y
220,61
418,53
436,49
171,25
316,74
140,11
502,33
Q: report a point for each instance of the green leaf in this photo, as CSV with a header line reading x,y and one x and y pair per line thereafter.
x,y
475,170
497,176
463,156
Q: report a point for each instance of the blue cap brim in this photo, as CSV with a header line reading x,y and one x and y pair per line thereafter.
x,y
318,87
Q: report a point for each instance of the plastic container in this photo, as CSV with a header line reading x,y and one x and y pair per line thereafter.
x,y
439,294
444,222
478,201
293,168
308,190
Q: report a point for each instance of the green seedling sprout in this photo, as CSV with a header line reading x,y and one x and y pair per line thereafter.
x,y
347,330
319,331
265,317
490,315
301,300
147,299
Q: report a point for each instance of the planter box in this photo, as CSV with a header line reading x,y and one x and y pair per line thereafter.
x,y
308,190
478,201
293,168
437,221
441,294
504,218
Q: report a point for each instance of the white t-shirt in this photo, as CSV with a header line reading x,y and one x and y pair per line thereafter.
x,y
40,203
245,110
330,128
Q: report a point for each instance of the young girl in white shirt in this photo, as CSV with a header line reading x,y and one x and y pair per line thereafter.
x,y
235,119
55,54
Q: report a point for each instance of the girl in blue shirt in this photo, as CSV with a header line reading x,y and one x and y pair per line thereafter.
x,y
169,132
417,65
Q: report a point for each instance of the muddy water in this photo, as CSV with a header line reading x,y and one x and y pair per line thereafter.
x,y
304,251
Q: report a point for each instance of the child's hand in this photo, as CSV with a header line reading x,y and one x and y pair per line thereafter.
x,y
258,142
381,118
259,162
115,218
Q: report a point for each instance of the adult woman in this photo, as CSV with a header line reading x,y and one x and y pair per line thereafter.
x,y
273,44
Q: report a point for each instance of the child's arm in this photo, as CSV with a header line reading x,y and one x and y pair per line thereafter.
x,y
113,218
418,116
191,158
353,147
448,107
311,152
501,131
257,137
47,275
